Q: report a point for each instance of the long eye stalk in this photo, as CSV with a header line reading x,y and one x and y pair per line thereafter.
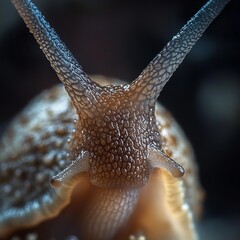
x,y
150,82
82,90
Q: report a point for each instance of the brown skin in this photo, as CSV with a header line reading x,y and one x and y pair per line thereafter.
x,y
117,140
89,204
117,137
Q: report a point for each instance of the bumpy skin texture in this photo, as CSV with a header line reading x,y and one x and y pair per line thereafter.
x,y
117,137
33,149
119,152
45,112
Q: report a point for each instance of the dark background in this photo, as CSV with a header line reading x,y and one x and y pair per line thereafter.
x,y
119,38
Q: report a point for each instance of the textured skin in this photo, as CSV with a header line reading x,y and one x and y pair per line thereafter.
x,y
34,148
119,152
52,106
117,137
153,78
65,65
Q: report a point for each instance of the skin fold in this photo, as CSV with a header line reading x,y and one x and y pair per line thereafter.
x,y
106,160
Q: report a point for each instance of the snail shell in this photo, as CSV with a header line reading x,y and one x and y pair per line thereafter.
x,y
101,160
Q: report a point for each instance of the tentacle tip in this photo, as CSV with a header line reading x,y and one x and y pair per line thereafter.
x,y
178,171
55,183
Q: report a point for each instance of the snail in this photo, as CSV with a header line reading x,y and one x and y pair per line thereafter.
x,y
107,161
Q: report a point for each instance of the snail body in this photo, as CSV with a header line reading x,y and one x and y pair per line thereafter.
x,y
102,158
40,156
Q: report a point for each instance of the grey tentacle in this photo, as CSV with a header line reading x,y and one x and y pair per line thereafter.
x,y
158,159
150,82
81,164
81,89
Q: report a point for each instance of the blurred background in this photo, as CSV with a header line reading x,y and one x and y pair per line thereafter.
x,y
118,38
